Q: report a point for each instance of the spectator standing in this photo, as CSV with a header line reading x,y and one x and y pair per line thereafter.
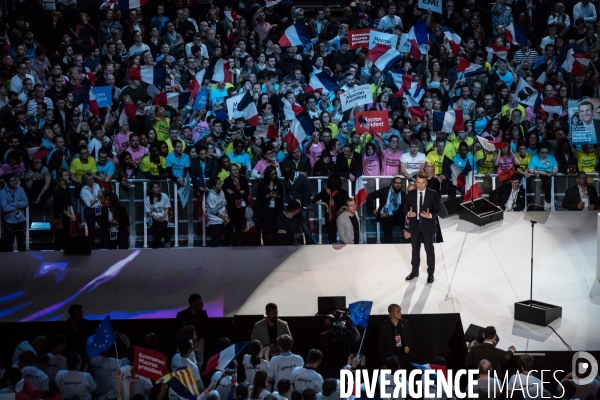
x,y
157,206
348,224
217,210
581,196
14,203
237,193
267,330
394,337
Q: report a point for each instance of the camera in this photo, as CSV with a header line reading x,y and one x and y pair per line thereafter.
x,y
341,320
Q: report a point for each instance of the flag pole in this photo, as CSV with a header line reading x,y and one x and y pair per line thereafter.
x,y
361,342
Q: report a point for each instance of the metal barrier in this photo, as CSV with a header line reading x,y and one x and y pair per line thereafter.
x,y
186,222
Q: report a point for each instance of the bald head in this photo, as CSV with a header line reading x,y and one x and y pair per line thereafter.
x,y
484,367
429,170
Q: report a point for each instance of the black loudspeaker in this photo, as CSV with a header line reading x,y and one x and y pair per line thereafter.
x,y
480,212
77,245
5,246
327,305
450,207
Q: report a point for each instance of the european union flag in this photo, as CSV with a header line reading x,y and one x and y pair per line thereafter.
x,y
360,312
102,339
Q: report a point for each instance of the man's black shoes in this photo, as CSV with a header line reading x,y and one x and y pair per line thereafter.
x,y
412,276
430,279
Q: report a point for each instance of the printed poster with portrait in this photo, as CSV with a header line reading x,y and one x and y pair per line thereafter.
x,y
584,121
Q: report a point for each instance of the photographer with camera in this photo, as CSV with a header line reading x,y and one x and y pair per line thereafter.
x,y
394,337
336,342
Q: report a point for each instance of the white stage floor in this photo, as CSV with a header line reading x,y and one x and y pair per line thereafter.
x,y
480,273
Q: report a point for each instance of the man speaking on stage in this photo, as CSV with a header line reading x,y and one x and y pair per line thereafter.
x,y
422,207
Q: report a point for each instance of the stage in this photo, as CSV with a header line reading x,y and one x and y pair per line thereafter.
x,y
480,273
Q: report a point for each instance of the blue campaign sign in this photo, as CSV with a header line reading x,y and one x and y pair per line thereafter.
x,y
103,96
201,100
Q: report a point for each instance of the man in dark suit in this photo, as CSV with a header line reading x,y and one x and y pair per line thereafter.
x,y
422,207
394,337
390,212
575,196
488,351
509,197
349,163
298,162
194,315
433,183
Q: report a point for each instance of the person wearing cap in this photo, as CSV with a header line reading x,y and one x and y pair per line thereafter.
x,y
285,224
363,21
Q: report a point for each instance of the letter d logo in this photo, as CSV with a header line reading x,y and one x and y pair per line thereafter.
x,y
584,371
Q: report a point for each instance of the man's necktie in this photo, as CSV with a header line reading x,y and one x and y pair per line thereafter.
x,y
421,202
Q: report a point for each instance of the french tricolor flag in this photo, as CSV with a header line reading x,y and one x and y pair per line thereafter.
x,y
553,107
575,61
500,51
174,99
414,109
360,195
469,69
323,82
490,145
93,104
196,84
288,110
126,112
231,15
248,109
295,35
221,360
149,74
448,121
266,131
453,39
218,71
300,128
129,4
418,39
384,57
540,76
511,35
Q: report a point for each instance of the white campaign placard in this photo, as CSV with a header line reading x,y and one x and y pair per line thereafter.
x,y
433,5
355,97
232,104
387,39
404,44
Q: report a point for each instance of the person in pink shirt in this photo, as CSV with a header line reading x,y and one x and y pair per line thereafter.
x,y
371,160
493,131
122,137
506,160
390,157
314,148
268,159
136,151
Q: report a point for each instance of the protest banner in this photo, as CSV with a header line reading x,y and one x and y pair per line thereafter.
x,y
386,39
433,5
103,96
201,100
149,363
232,104
583,121
356,96
358,38
378,121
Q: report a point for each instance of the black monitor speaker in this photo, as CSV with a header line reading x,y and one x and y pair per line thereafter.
x,y
327,305
77,245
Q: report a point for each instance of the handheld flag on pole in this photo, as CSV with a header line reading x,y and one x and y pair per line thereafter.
x,y
360,312
102,339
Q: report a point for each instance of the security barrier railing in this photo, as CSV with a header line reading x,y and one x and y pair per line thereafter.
x,y
190,230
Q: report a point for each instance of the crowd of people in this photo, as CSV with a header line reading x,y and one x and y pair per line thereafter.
x,y
171,70
267,369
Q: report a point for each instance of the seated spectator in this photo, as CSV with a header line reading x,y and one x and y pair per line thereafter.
x,y
186,347
104,367
510,197
267,330
32,369
487,381
581,196
56,361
